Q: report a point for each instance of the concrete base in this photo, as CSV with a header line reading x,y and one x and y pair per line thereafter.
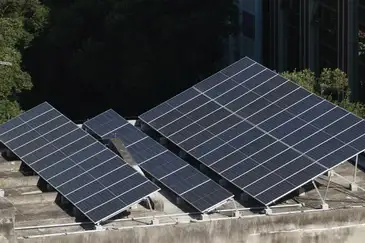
x,y
268,211
324,206
353,187
203,217
99,227
155,221
301,192
236,214
2,193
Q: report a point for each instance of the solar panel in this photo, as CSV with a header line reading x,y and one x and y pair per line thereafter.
x,y
93,178
260,131
184,180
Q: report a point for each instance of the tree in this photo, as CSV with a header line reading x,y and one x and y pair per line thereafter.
x,y
20,21
332,84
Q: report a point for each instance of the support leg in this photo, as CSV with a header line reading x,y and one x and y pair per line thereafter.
x,y
324,205
154,220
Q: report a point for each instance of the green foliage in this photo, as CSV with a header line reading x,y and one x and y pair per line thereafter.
x,y
332,84
20,22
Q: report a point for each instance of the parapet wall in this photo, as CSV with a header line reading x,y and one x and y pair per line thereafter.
x,y
335,226
7,213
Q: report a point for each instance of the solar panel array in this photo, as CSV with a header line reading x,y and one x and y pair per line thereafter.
x,y
93,178
260,131
184,180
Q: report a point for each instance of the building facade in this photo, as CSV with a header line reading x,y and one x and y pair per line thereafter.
x,y
315,34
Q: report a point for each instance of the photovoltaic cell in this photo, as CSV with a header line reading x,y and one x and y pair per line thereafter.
x,y
79,167
274,135
177,175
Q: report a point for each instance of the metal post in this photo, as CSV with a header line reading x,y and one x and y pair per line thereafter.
x,y
355,169
328,185
319,194
345,179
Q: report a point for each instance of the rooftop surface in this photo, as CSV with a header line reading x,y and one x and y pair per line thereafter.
x,y
37,212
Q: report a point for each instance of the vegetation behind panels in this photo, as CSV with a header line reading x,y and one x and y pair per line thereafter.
x,y
96,55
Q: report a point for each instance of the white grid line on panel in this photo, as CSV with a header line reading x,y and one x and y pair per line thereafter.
x,y
174,108
322,99
49,181
75,163
116,196
196,186
68,157
210,100
79,163
105,188
291,148
26,121
49,142
196,121
303,154
249,66
42,135
102,136
182,167
326,169
226,142
32,130
216,135
152,157
260,149
94,179
280,140
311,165
57,150
160,179
81,167
138,141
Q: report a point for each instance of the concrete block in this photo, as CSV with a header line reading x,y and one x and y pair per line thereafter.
x,y
330,173
155,221
353,187
2,193
268,211
324,206
301,192
223,182
99,227
203,217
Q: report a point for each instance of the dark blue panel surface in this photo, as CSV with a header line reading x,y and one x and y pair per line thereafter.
x,y
170,170
269,122
69,159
